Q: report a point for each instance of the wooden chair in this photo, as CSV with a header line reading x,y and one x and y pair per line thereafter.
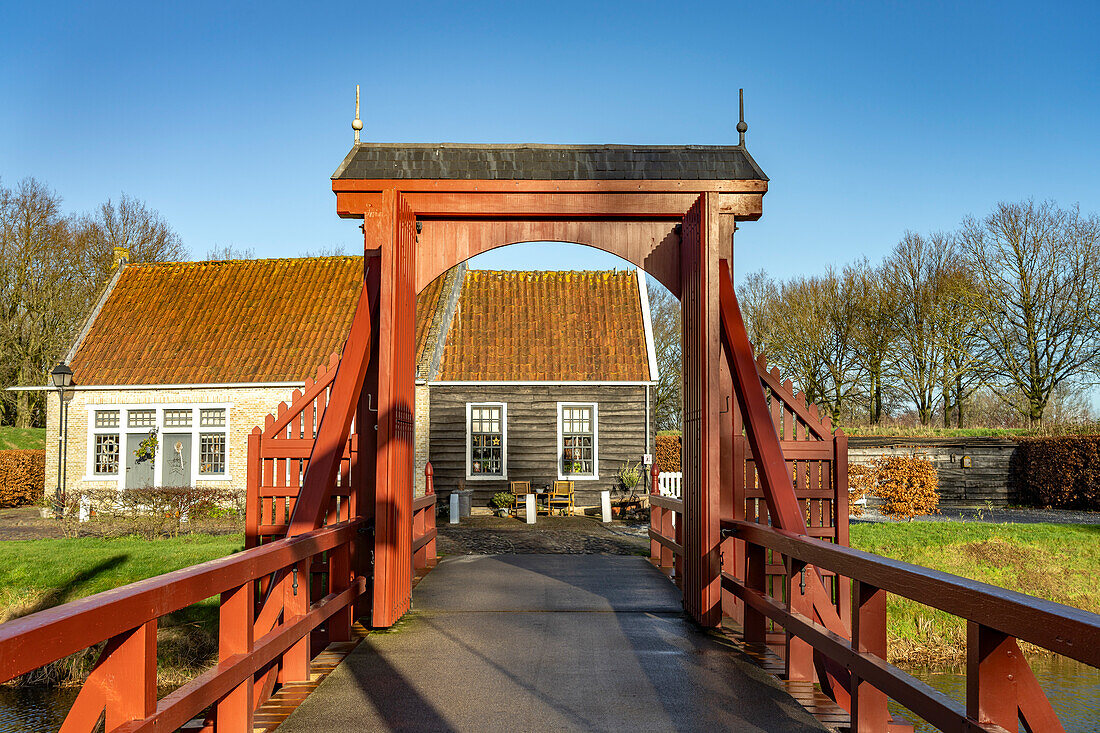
x,y
561,496
520,490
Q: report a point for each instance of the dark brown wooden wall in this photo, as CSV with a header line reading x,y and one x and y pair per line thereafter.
x,y
532,434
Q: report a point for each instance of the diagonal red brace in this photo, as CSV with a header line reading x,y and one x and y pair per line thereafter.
x,y
768,455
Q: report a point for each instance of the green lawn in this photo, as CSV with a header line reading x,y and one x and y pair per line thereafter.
x,y
1056,562
42,573
22,438
38,574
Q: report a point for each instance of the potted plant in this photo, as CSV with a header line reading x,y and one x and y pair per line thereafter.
x,y
629,478
501,503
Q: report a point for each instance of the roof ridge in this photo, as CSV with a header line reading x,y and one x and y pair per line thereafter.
x,y
319,258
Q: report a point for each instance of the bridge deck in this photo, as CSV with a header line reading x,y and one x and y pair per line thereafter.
x,y
547,642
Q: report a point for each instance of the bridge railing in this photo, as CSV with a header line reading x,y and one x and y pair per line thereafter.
x,y
1001,688
424,510
666,523
265,623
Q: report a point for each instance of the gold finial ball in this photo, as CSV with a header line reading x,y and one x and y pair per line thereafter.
x,y
357,124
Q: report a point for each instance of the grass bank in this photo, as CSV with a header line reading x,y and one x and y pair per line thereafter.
x,y
38,574
1055,562
22,438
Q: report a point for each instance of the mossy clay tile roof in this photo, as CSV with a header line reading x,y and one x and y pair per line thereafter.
x,y
547,326
270,320
426,304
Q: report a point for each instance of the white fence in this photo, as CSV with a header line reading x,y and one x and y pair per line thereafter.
x,y
671,484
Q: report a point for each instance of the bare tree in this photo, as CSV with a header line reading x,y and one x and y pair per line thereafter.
x,y
757,296
875,332
814,326
230,252
130,224
1038,278
964,356
41,293
664,310
916,272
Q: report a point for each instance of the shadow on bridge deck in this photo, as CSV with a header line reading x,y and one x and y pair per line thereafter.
x,y
547,642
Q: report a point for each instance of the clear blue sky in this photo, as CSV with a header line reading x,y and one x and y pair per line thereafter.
x,y
870,119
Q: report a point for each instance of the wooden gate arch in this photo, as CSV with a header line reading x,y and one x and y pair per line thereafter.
x,y
670,210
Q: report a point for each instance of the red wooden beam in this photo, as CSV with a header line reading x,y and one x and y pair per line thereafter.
x,y
335,426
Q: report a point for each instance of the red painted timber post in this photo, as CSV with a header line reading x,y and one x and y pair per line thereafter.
x,y
869,711
296,605
234,712
252,490
123,683
655,513
418,529
991,670
756,578
430,513
339,579
800,655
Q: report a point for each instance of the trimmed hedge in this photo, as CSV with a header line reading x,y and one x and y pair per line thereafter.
x,y
668,453
1062,472
22,476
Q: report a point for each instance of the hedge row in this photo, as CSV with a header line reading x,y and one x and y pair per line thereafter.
x,y
668,453
1062,472
22,476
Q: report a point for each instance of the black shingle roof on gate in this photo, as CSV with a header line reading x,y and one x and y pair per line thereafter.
x,y
549,162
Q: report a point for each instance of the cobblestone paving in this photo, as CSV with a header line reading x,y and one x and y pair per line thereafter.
x,y
486,535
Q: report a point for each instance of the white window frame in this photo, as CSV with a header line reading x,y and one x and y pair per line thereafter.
x,y
160,408
595,475
503,441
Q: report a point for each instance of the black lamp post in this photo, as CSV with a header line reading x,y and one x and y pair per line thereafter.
x,y
62,377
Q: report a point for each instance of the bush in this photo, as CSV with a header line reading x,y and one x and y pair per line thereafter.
x,y
1062,473
22,476
149,512
860,480
907,486
668,453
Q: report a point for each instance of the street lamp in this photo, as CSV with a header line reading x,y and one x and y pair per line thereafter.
x,y
62,377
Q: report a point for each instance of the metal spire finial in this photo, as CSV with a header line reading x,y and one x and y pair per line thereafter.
x,y
741,126
357,124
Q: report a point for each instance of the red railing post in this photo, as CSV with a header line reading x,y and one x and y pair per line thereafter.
x,y
420,556
991,662
233,713
869,711
800,655
252,490
429,519
295,605
756,578
340,578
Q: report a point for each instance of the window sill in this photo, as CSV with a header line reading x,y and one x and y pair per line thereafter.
x,y
575,477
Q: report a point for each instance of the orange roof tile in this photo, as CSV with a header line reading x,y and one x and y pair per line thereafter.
x,y
552,326
209,322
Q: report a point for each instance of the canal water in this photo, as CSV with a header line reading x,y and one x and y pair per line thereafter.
x,y
1073,689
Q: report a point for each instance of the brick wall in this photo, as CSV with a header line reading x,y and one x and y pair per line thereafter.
x,y
248,406
423,437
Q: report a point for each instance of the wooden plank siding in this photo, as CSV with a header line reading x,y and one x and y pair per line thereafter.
x,y
532,425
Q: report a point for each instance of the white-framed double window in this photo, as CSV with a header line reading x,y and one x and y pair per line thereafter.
x,y
486,441
578,441
173,443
